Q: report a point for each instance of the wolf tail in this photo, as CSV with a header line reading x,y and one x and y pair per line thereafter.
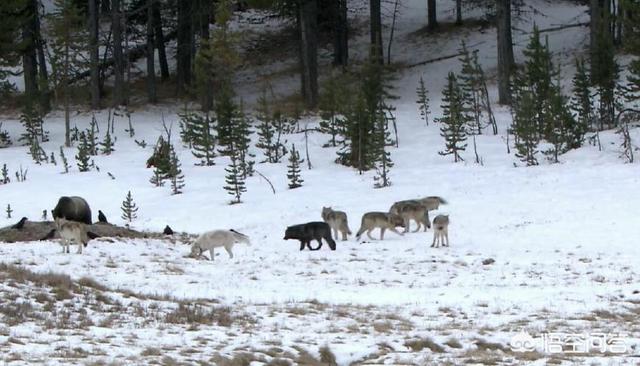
x,y
442,200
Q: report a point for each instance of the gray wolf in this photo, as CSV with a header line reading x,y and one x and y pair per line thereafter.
x,y
417,212
71,231
73,208
218,238
315,230
429,203
337,220
381,220
440,231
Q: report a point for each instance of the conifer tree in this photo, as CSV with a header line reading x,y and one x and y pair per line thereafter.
x,y
604,76
107,144
203,141
524,125
8,211
632,89
187,120
382,158
129,209
234,180
334,97
175,174
83,156
31,120
268,134
581,102
242,140
92,137
157,178
65,163
423,100
161,157
4,175
470,85
454,119
293,173
52,159
37,152
68,42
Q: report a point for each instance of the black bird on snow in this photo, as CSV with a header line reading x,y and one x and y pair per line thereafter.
x,y
102,217
167,230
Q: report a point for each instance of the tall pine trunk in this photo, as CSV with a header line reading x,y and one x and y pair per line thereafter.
x,y
94,56
341,36
206,100
432,19
159,41
29,59
376,31
308,15
183,57
595,10
152,95
105,7
506,63
43,75
118,65
458,11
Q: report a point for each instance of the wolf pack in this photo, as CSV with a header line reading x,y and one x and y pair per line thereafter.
x,y
72,217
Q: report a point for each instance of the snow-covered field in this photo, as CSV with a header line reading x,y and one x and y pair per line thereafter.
x,y
561,237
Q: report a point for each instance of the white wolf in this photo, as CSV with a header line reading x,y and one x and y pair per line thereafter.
x,y
216,239
440,230
71,231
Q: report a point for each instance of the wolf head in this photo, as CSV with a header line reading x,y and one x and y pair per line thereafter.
x,y
292,232
196,251
326,211
396,220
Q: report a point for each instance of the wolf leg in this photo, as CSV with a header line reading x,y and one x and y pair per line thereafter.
x,y
396,231
382,233
418,228
211,254
369,234
228,249
79,251
319,244
407,225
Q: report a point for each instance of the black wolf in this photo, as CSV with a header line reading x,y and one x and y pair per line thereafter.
x,y
311,231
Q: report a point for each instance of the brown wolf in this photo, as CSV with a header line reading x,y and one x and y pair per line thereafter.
x,y
337,220
440,230
381,220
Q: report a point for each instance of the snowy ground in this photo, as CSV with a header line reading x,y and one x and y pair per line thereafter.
x,y
560,235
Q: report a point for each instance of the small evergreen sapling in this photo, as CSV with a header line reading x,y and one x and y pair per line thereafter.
x,y
382,157
92,137
107,144
423,100
454,120
175,173
129,209
293,173
234,179
52,159
202,139
8,211
83,156
44,215
4,175
65,163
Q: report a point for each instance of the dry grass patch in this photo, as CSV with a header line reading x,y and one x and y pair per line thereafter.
x,y
327,357
485,345
151,351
